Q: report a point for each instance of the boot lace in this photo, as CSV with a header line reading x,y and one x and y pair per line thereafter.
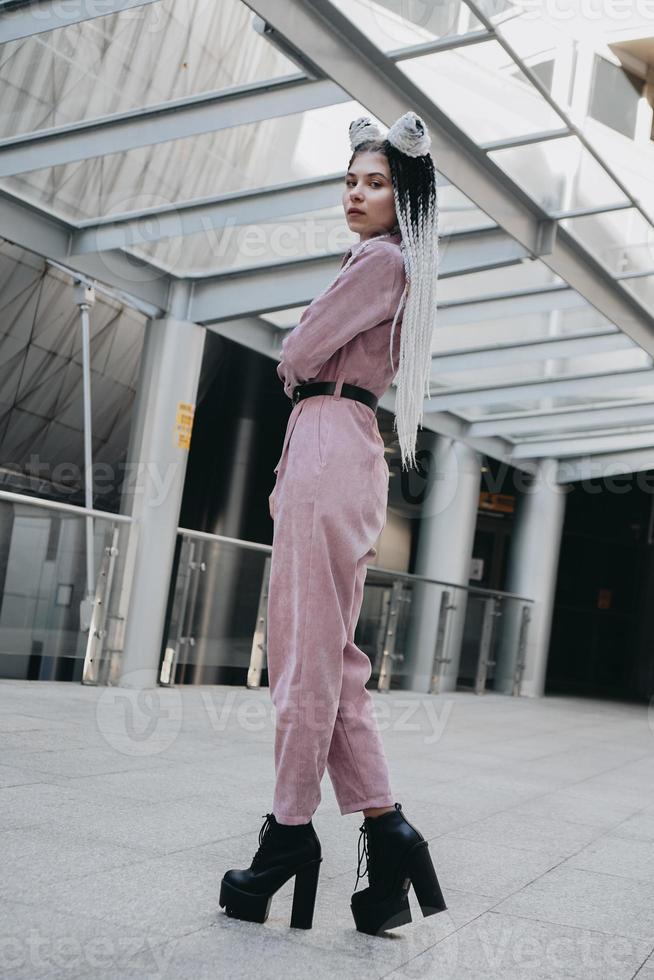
x,y
265,838
362,851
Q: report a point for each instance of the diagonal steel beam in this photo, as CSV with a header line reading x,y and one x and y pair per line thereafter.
x,y
195,115
22,20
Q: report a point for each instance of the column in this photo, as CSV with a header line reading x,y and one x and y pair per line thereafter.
x,y
447,532
533,566
156,469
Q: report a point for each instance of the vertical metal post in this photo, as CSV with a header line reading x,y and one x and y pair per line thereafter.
x,y
85,298
521,658
485,645
388,654
380,638
439,659
171,654
258,653
198,566
95,663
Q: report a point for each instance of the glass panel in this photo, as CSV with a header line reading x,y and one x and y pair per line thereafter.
x,y
138,57
543,43
41,397
43,557
396,24
217,593
483,91
479,641
622,240
559,174
219,598
508,646
256,155
499,281
503,329
614,96
458,213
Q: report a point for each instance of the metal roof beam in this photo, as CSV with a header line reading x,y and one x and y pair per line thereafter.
x,y
195,115
560,421
226,210
286,284
587,445
608,466
594,384
539,349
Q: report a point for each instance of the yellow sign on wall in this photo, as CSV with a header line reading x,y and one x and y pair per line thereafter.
x,y
184,425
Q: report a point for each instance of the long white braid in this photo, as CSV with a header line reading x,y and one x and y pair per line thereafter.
x,y
412,382
420,251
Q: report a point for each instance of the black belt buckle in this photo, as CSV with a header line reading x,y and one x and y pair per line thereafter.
x,y
296,395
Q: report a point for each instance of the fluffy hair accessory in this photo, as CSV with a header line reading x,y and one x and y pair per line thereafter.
x,y
362,130
408,134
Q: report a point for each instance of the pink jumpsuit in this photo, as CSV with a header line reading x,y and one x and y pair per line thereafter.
x,y
329,508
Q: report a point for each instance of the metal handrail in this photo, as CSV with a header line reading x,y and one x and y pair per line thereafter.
x,y
23,498
389,572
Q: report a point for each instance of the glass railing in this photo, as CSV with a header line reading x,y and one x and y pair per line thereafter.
x,y
60,595
412,627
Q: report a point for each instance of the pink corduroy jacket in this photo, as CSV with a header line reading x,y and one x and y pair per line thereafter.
x,y
345,332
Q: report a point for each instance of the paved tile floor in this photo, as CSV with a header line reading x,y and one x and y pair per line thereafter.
x,y
120,811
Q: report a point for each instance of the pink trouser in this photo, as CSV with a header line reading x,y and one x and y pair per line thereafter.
x,y
329,510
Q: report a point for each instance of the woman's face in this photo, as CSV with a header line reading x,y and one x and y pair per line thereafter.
x,y
369,189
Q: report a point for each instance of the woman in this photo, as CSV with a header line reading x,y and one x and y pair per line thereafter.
x,y
329,506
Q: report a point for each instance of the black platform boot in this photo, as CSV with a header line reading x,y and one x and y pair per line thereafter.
x,y
397,856
284,850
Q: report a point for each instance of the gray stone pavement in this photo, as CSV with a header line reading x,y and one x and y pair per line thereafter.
x,y
120,811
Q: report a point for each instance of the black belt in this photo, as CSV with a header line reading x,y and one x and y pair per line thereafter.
x,y
309,388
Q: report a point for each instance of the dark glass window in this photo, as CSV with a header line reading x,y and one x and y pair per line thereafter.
x,y
614,96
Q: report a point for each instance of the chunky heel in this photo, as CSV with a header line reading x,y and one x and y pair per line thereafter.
x,y
420,869
304,895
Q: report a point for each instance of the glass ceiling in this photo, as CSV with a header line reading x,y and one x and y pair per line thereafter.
x,y
135,58
178,133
